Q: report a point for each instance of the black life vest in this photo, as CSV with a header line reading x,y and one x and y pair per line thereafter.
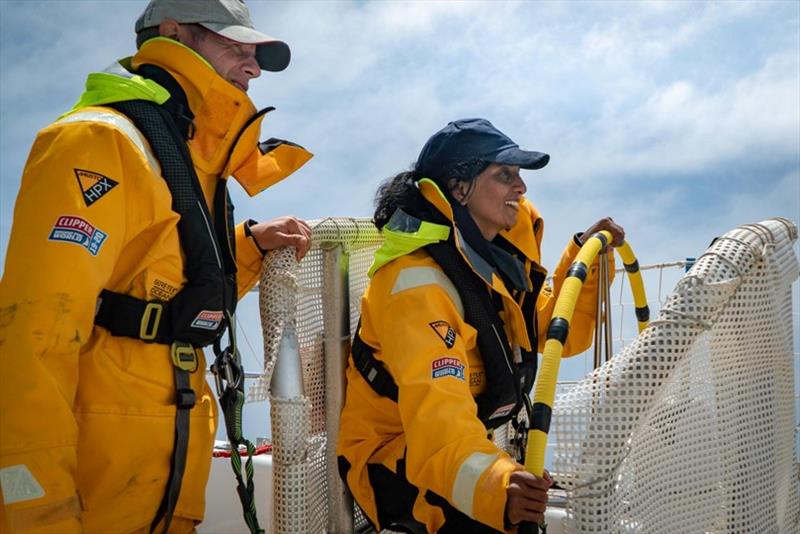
x,y
507,381
198,314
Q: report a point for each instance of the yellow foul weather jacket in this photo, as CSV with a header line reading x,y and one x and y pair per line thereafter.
x,y
88,419
412,318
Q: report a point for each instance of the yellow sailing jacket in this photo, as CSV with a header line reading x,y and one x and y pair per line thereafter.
x,y
433,433
87,426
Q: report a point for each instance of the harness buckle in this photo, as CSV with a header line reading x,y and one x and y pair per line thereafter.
x,y
186,399
183,356
148,329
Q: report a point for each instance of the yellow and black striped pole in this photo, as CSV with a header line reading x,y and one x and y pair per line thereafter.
x,y
637,285
557,331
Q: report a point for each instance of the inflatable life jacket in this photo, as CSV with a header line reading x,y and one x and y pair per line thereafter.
x,y
201,312
198,313
508,381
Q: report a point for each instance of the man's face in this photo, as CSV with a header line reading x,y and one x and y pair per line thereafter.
x,y
236,62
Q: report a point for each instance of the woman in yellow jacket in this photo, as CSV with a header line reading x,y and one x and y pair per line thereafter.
x,y
430,373
88,418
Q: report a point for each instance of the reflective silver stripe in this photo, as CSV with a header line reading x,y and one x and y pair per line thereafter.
x,y
124,125
19,484
467,478
422,276
118,70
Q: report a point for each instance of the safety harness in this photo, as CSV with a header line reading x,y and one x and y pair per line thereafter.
x,y
508,383
204,309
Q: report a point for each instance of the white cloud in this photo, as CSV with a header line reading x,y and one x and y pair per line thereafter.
x,y
683,128
613,90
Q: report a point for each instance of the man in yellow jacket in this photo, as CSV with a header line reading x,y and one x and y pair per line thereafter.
x,y
88,428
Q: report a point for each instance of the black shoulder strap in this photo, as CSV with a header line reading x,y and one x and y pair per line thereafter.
x,y
373,371
530,358
177,105
196,314
501,400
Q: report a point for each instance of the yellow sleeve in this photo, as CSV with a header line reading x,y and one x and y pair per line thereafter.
x,y
448,450
248,261
62,251
582,324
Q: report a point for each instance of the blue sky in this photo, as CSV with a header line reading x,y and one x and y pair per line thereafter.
x,y
681,120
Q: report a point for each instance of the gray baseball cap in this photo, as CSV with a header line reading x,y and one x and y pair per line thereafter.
x,y
228,18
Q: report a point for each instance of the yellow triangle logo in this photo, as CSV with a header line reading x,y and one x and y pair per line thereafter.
x,y
444,331
93,185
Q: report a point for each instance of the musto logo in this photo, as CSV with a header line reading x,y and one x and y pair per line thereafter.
x,y
447,366
79,231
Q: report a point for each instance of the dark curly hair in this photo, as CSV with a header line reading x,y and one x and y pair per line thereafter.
x,y
401,191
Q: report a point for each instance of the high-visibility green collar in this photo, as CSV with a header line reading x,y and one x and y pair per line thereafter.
x,y
118,84
404,234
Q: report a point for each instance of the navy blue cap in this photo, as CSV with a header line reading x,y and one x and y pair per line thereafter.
x,y
467,139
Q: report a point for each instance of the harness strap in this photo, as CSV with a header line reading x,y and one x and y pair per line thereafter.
x,y
184,361
373,371
123,315
178,104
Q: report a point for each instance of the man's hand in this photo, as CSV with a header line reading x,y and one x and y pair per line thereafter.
x,y
607,223
285,231
527,497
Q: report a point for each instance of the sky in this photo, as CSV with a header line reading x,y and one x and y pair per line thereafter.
x,y
679,119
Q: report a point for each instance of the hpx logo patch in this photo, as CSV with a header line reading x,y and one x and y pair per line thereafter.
x,y
447,366
93,185
207,320
444,331
79,231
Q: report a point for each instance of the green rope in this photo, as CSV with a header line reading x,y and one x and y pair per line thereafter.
x,y
232,402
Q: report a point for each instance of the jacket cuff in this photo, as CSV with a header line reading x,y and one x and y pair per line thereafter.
x,y
573,247
489,505
246,225
248,254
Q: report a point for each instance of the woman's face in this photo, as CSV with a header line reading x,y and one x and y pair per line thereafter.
x,y
494,199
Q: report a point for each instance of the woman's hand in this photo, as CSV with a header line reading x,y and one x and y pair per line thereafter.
x,y
606,223
527,497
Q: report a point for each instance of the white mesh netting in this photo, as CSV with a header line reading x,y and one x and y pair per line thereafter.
x,y
691,427
296,296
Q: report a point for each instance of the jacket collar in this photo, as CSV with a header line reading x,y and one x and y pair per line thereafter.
x,y
489,272
487,259
221,110
529,223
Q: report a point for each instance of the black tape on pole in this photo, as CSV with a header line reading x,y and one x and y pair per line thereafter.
x,y
541,417
558,329
632,267
578,270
